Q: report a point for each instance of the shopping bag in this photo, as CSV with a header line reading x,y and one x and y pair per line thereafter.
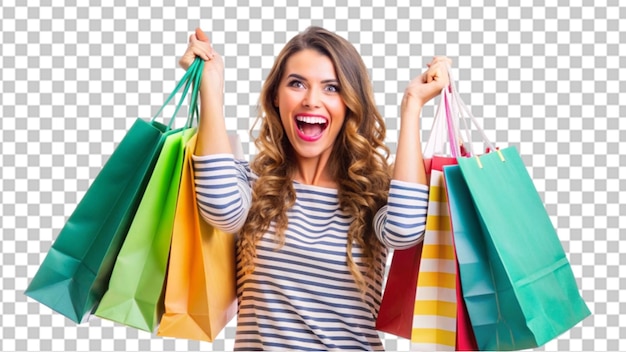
x,y
435,308
200,293
134,296
481,290
395,315
465,339
74,274
518,285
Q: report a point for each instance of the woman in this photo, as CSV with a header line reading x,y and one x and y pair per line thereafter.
x,y
317,209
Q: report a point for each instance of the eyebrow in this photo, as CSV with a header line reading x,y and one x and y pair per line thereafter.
x,y
302,78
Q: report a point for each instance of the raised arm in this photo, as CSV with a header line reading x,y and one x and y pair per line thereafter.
x,y
402,222
222,184
212,137
409,163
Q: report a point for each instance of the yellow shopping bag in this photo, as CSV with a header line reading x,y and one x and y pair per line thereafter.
x,y
435,312
200,294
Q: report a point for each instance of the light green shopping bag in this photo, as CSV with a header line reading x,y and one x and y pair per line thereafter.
x,y
134,297
531,288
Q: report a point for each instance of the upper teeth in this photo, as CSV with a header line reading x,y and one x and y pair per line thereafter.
x,y
311,119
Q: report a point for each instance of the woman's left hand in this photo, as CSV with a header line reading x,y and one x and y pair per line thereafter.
x,y
427,85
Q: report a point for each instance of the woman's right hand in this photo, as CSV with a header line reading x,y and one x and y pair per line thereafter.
x,y
213,73
212,135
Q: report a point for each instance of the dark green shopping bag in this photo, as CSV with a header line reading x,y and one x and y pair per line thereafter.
x,y
518,285
75,273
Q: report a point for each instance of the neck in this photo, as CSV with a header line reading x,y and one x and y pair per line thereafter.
x,y
315,171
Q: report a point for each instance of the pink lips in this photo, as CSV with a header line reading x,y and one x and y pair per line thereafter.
x,y
309,138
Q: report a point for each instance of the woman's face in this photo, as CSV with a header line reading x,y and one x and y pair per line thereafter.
x,y
310,105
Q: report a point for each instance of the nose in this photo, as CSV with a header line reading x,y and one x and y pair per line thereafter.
x,y
312,99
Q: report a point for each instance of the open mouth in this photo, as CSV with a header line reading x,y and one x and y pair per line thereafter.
x,y
311,126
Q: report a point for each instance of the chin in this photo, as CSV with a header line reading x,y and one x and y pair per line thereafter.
x,y
310,153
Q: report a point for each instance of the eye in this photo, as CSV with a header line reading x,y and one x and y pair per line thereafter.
x,y
332,88
295,83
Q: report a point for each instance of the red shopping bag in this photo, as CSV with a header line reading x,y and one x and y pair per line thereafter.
x,y
397,306
396,309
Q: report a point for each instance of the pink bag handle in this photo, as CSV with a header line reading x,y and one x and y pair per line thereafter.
x,y
452,136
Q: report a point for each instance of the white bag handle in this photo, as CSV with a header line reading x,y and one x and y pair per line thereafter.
x,y
460,112
444,130
437,139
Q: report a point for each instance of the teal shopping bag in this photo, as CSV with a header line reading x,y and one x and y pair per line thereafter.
x,y
518,285
75,272
485,286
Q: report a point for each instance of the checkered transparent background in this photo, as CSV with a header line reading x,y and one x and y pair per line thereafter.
x,y
546,78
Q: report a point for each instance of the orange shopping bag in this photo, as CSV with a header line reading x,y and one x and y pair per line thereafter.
x,y
200,293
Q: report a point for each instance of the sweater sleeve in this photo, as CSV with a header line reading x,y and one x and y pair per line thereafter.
x,y
223,190
402,222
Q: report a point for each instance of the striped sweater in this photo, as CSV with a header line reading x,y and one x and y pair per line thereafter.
x,y
303,296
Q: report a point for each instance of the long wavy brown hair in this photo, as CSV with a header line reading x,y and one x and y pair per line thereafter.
x,y
359,160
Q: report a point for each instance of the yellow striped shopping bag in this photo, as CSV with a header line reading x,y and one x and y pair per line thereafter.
x,y
435,311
